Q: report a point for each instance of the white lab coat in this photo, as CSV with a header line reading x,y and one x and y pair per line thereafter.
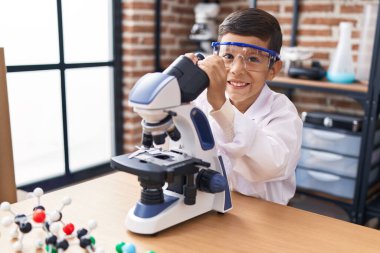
x,y
260,148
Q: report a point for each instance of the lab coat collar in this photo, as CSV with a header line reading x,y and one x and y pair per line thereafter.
x,y
261,106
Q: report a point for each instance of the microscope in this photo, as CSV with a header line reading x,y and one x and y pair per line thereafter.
x,y
204,30
186,179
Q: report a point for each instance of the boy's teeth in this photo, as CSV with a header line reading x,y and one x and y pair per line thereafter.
x,y
238,84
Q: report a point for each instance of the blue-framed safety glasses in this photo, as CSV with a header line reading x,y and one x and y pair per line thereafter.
x,y
253,57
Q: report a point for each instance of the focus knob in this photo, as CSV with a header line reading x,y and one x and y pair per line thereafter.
x,y
211,181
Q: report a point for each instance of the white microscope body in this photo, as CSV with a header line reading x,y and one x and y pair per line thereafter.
x,y
188,179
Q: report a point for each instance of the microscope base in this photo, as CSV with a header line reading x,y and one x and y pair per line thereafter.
x,y
176,213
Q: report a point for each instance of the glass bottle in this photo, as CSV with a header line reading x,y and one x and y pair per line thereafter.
x,y
341,69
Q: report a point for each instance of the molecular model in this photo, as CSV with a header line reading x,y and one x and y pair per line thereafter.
x,y
51,223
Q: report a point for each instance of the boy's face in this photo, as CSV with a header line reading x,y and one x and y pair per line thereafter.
x,y
244,86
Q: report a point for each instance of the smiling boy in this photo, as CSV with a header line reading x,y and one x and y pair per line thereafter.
x,y
257,131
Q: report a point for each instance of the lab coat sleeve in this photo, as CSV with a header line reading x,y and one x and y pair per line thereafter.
x,y
225,118
265,151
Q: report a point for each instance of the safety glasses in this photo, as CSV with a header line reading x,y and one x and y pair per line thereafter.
x,y
253,57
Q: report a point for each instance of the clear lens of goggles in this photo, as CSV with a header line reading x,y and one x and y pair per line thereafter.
x,y
252,58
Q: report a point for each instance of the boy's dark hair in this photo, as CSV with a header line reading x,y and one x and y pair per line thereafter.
x,y
254,22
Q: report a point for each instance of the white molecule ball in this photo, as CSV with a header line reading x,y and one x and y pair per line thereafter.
x,y
38,192
55,216
5,206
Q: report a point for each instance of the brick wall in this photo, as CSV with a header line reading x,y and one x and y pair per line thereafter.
x,y
138,48
318,31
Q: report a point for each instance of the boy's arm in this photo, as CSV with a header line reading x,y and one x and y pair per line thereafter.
x,y
263,152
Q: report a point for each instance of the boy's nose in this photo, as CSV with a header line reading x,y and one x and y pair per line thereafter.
x,y
238,64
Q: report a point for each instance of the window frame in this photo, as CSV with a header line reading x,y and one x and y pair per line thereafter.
x,y
94,171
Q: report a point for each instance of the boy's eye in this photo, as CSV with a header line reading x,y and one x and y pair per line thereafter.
x,y
228,56
254,59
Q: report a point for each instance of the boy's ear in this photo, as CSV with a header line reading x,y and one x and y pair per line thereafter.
x,y
274,70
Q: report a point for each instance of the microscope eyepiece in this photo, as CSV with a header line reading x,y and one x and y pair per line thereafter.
x,y
192,80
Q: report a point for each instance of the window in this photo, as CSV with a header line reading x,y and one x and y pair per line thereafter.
x,y
64,87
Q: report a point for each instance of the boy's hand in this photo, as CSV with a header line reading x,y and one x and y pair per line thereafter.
x,y
214,67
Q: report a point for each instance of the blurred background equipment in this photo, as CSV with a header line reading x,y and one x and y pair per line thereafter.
x,y
298,63
205,29
367,28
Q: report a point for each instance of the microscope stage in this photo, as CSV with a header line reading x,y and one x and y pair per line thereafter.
x,y
157,165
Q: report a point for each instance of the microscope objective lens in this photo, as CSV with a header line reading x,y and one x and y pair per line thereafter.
x,y
147,140
159,139
174,134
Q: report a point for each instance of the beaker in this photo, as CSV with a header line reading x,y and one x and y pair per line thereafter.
x,y
341,69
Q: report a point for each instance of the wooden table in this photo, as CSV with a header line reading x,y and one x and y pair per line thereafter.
x,y
252,225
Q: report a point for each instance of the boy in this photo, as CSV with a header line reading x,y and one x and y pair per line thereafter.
x,y
257,131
